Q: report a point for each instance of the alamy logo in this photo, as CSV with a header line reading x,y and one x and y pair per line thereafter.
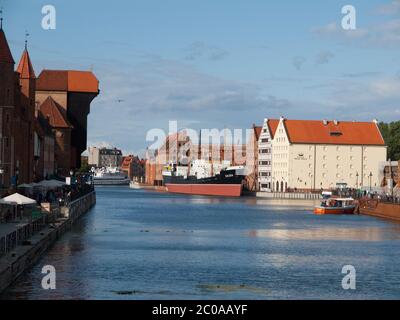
x,y
349,21
49,20
49,280
349,280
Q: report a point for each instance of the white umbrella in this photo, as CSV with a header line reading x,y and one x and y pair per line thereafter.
x,y
2,201
25,185
19,199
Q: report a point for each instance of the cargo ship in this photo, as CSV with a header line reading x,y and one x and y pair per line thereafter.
x,y
198,178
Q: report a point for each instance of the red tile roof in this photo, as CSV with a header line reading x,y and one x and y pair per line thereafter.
x,y
343,132
257,132
67,80
55,114
25,68
5,53
272,126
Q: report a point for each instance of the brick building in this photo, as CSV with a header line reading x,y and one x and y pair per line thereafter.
x,y
43,121
73,91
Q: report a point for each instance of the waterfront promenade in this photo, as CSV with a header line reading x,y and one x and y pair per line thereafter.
x,y
24,242
137,244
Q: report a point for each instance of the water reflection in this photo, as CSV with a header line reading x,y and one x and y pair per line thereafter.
x,y
329,233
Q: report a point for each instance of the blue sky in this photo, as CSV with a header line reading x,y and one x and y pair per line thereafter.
x,y
216,64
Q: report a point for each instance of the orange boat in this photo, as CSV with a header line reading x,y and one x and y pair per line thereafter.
x,y
336,206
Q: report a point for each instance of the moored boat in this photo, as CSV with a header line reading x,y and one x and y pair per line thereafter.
x,y
336,206
197,179
110,176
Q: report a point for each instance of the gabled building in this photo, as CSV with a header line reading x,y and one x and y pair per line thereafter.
x,y
7,97
312,155
73,91
134,167
251,182
62,128
265,154
44,149
24,117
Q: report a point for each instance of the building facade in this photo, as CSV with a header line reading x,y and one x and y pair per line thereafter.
x,y
265,155
104,157
314,155
39,138
73,91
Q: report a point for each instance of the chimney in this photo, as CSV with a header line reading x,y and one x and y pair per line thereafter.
x,y
335,122
325,122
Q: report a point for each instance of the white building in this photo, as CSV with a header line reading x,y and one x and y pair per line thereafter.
x,y
265,154
312,155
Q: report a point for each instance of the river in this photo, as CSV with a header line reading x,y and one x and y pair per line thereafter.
x,y
137,244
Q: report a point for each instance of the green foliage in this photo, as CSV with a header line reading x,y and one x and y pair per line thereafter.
x,y
391,134
84,168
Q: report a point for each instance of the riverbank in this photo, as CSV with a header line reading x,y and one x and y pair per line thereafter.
x,y
14,263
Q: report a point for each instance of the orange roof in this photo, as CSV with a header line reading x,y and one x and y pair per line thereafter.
x,y
25,68
5,53
272,126
67,80
343,132
257,131
54,113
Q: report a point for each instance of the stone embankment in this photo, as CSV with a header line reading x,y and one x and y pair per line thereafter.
x,y
16,261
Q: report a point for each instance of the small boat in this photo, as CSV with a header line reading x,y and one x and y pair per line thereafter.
x,y
336,206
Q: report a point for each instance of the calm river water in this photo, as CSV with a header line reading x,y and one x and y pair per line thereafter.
x,y
137,244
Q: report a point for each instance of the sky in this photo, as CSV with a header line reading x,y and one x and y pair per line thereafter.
x,y
216,64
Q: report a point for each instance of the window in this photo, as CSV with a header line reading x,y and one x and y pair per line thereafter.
x,y
265,140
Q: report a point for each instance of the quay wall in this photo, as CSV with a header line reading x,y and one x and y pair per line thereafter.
x,y
380,209
24,256
289,195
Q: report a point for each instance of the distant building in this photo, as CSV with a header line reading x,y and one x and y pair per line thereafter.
x,y
104,157
134,167
178,148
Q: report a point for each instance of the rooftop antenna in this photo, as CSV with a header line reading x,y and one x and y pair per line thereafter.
x,y
26,39
1,18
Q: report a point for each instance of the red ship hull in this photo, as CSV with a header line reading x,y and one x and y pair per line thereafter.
x,y
225,190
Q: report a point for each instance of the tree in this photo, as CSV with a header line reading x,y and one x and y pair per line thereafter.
x,y
391,134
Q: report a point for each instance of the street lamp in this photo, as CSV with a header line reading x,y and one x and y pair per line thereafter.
x,y
357,175
1,174
16,177
370,182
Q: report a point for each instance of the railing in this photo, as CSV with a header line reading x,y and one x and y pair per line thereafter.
x,y
19,236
